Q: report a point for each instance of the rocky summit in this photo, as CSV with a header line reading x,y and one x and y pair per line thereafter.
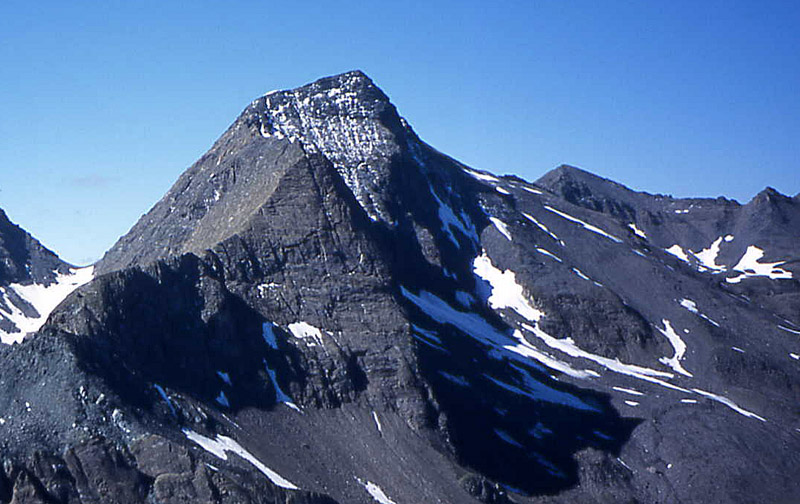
x,y
326,309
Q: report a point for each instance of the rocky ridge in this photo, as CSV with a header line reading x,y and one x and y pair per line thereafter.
x,y
33,280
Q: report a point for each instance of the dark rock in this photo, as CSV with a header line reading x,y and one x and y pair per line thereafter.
x,y
27,490
484,490
156,455
102,474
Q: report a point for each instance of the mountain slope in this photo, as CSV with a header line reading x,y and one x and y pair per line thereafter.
x,y
757,241
33,280
324,308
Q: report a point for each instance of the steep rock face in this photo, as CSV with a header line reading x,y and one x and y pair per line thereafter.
x,y
33,280
22,257
324,308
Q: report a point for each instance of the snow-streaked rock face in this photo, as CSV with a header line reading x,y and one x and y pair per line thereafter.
x,y
222,445
33,281
27,306
505,291
348,120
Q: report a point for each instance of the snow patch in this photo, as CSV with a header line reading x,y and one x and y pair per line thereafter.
x,y
377,421
473,325
165,397
458,380
506,292
485,177
222,399
580,274
708,257
43,298
678,252
464,299
424,333
429,343
540,431
543,227
586,225
732,405
749,266
789,330
306,332
502,227
628,391
689,305
452,222
638,232
505,436
538,391
429,338
268,333
377,494
225,377
692,307
678,345
548,254
568,346
220,447
280,395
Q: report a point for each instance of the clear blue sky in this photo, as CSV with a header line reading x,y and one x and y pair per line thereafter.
x,y
104,104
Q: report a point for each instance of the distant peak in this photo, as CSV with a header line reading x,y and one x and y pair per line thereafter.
x,y
565,168
354,82
771,191
769,195
568,173
351,76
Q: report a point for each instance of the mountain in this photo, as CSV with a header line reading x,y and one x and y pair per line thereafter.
x,y
718,236
33,280
324,308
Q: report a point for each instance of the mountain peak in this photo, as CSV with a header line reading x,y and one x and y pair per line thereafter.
x,y
22,257
588,190
769,194
355,83
346,118
565,172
